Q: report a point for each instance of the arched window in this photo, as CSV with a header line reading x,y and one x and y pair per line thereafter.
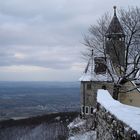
x,y
91,110
87,110
82,109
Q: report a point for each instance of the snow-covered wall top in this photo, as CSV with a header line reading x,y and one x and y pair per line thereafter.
x,y
128,114
99,77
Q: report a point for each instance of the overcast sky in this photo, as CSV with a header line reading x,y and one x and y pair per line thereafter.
x,y
41,40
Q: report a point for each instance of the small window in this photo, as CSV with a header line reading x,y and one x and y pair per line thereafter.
x,y
83,109
88,86
91,110
87,110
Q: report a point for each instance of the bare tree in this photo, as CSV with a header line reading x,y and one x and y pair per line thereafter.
x,y
130,22
95,40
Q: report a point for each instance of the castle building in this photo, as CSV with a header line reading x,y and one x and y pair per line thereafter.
x,y
97,73
101,71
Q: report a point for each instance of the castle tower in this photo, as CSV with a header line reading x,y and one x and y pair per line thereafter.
x,y
115,41
94,77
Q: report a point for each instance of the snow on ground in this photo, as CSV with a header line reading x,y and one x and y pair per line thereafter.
x,y
128,114
78,130
77,123
90,135
44,131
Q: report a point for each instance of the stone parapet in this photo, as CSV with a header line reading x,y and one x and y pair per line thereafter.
x,y
108,127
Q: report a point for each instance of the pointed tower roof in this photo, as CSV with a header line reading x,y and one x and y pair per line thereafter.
x,y
115,26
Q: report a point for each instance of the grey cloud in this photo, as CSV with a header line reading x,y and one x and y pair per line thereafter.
x,y
55,57
31,27
10,59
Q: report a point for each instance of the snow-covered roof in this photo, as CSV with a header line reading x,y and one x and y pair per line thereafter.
x,y
90,74
100,77
128,114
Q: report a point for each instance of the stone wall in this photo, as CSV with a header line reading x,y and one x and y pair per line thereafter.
x,y
110,128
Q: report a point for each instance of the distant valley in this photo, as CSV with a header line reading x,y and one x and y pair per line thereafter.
x,y
25,99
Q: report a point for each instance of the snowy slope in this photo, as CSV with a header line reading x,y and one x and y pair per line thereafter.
x,y
84,136
78,130
46,127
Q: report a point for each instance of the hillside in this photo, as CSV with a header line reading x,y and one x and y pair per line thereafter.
x,y
46,127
